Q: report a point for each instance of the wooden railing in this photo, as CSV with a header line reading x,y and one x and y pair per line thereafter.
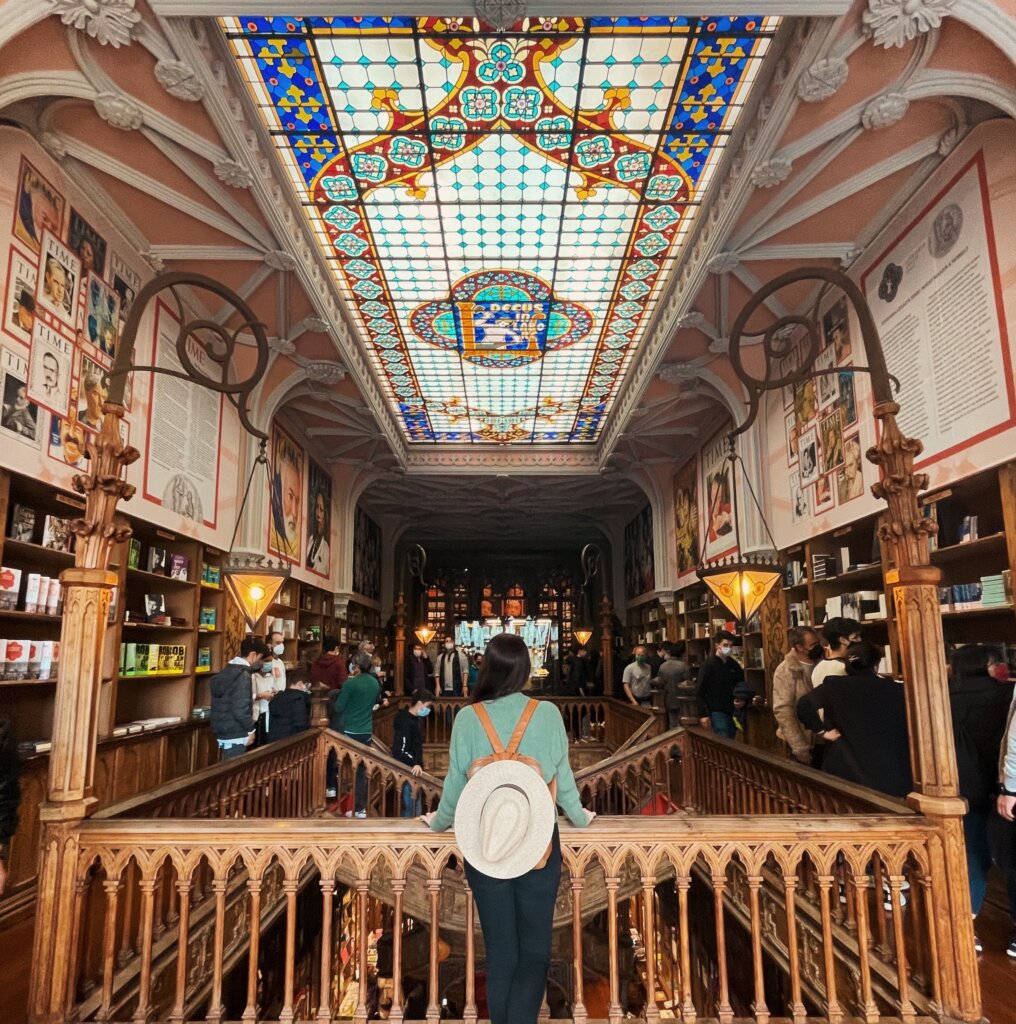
x,y
725,777
642,779
822,871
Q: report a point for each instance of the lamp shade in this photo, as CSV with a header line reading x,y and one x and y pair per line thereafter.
x,y
742,584
253,584
424,634
583,635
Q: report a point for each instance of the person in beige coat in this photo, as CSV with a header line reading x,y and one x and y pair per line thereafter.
x,y
791,681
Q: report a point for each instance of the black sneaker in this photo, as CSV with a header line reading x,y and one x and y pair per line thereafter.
x,y
1010,950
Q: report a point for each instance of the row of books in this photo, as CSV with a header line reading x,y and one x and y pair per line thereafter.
x,y
211,575
793,573
28,747
953,526
996,589
56,531
799,614
151,659
43,594
206,619
159,561
29,659
287,627
963,597
862,606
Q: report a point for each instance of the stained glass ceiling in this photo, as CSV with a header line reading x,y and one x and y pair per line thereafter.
x,y
501,210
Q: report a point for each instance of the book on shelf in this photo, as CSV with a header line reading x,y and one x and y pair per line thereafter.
x,y
32,585
929,510
141,659
823,566
968,529
799,614
179,567
155,606
49,656
206,619
793,573
134,554
22,524
43,599
204,658
34,659
10,587
966,596
54,597
157,561
28,747
56,534
129,659
994,592
16,659
211,575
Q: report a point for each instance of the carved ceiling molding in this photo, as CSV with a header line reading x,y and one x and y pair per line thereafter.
x,y
109,22
892,23
247,143
796,48
233,174
179,80
823,80
521,460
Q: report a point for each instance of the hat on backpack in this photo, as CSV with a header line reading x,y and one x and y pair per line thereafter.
x,y
504,819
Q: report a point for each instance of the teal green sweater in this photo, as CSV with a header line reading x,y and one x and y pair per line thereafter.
x,y
545,741
356,701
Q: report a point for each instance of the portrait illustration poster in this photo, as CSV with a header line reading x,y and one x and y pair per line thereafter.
x,y
639,568
287,489
319,520
718,537
366,556
686,516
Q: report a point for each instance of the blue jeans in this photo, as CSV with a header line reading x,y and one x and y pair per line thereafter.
x,y
723,724
517,918
975,835
360,791
228,753
411,805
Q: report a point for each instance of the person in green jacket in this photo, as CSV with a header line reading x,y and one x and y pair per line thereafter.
x,y
356,701
516,914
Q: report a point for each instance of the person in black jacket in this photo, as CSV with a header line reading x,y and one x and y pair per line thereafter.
x,y
407,746
232,717
980,706
863,718
10,794
290,709
718,678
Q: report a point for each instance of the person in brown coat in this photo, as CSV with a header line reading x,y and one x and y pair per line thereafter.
x,y
791,681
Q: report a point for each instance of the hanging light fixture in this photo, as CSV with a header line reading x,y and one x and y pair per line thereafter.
x,y
416,559
741,582
253,580
590,561
424,634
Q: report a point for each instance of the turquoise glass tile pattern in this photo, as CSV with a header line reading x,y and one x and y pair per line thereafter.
x,y
502,211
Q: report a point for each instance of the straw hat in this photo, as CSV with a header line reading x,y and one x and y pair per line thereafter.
x,y
504,819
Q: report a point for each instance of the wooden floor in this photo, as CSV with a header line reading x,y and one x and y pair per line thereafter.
x,y
998,971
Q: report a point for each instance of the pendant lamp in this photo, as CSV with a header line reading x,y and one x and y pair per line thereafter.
x,y
741,582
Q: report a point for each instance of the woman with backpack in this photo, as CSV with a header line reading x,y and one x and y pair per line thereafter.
x,y
508,769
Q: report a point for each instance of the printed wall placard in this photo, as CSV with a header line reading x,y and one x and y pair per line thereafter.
x,y
87,244
366,556
936,285
717,500
19,302
39,208
93,388
319,520
102,315
639,566
126,283
686,517
20,418
184,427
50,368
286,519
56,291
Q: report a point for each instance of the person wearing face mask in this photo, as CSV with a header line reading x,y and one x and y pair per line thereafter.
x,y
419,672
791,681
452,670
267,683
718,678
637,679
291,709
232,714
837,635
407,746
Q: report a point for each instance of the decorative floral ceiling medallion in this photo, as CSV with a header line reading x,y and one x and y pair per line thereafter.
x,y
502,209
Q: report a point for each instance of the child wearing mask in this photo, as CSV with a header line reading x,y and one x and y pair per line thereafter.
x,y
407,746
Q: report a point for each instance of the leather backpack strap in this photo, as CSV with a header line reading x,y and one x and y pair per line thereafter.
x,y
488,728
520,728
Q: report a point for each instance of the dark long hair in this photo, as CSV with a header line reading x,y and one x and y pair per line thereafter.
x,y
505,670
971,660
863,657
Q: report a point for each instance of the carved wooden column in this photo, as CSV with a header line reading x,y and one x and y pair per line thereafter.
x,y
400,644
87,589
913,584
607,645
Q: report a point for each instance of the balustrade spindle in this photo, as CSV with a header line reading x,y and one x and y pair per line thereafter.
x,y
324,1014
907,1014
688,1013
70,996
724,1011
652,1011
250,1012
544,1014
833,1011
398,886
112,889
144,1008
433,1009
130,887
579,1015
290,886
469,1012
932,937
797,1010
759,1007
183,886
215,1008
614,1013
862,887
